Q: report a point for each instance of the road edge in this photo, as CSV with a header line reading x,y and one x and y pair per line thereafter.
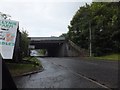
x,y
29,73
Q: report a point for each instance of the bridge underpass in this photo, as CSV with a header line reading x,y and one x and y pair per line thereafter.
x,y
55,46
53,49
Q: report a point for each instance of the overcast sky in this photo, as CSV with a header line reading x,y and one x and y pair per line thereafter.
x,y
42,18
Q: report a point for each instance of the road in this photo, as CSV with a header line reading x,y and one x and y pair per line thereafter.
x,y
72,73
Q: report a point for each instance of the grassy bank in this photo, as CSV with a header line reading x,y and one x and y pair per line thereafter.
x,y
109,57
20,68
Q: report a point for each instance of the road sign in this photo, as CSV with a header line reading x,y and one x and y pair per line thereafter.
x,y
8,31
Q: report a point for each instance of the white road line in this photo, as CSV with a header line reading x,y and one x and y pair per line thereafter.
x,y
85,77
91,80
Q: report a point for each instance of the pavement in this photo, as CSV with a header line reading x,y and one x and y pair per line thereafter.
x,y
72,72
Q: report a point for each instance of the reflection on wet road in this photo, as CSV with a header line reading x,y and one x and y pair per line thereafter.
x,y
71,73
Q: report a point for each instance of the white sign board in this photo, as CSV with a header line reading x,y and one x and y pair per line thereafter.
x,y
8,31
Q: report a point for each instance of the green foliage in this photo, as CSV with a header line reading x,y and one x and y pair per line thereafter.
x,y
24,43
4,16
65,35
114,57
42,51
17,69
103,20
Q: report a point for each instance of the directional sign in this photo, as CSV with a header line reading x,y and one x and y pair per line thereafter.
x,y
8,31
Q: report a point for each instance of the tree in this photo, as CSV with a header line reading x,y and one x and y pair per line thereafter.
x,y
24,43
65,35
102,18
4,16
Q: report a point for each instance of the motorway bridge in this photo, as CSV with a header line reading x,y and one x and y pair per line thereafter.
x,y
56,46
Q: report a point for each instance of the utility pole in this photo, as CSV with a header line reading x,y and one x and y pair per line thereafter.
x,y
90,39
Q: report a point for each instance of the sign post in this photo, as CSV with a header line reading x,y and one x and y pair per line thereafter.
x,y
0,72
8,31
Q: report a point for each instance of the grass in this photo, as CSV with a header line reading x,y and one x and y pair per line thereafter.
x,y
17,69
114,57
32,59
111,57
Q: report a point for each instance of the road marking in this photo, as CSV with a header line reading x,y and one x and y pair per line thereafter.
x,y
83,76
91,80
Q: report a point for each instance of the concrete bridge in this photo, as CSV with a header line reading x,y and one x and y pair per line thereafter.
x,y
55,46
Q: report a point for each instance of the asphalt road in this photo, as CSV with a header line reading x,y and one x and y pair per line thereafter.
x,y
72,73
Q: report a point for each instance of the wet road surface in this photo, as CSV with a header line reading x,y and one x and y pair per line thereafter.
x,y
72,73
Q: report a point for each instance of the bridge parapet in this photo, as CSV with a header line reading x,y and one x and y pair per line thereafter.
x,y
46,38
34,40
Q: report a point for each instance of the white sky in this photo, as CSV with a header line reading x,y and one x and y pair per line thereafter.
x,y
42,18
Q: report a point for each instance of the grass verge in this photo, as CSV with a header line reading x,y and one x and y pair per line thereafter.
x,y
17,69
111,57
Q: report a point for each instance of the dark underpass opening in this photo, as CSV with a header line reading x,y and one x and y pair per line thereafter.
x,y
54,46
49,49
52,50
